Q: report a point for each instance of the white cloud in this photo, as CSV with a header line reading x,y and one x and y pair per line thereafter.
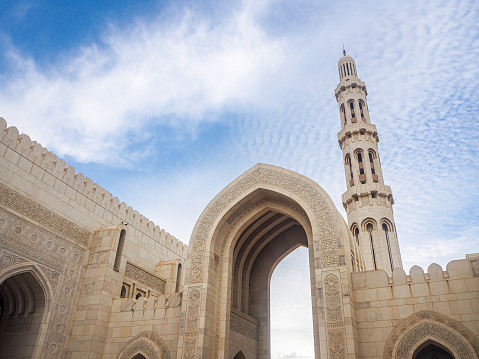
x,y
103,97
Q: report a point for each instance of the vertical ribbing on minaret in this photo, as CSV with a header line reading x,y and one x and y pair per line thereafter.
x,y
367,201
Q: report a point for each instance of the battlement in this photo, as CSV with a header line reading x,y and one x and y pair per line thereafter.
x,y
32,153
455,270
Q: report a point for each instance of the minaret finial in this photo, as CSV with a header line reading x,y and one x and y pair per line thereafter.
x,y
344,51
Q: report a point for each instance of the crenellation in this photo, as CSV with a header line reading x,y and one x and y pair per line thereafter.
x,y
39,168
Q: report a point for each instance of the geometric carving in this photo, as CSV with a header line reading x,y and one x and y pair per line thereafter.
x,y
142,276
336,344
244,327
20,324
40,214
327,243
333,299
9,259
189,349
148,344
51,264
193,312
436,331
52,276
413,329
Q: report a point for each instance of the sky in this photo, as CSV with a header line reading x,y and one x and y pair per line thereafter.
x,y
164,103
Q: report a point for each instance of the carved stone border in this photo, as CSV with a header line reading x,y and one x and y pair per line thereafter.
x,y
426,329
418,326
148,344
40,214
268,177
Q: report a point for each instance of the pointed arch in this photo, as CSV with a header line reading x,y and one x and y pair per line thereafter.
x,y
412,333
386,223
368,223
147,344
28,297
342,113
239,355
267,199
35,271
351,107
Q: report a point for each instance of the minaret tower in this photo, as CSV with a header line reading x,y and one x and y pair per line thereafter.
x,y
368,201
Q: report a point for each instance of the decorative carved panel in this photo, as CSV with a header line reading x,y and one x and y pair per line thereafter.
x,y
193,312
408,333
189,350
430,329
244,327
42,215
336,344
144,277
20,324
59,260
333,299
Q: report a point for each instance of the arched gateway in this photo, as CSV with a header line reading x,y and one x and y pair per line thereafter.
x,y
237,242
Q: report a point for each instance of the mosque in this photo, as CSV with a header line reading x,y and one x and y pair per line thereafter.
x,y
82,275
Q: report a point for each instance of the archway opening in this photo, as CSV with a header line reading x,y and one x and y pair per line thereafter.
x,y
264,241
291,310
432,351
138,356
22,306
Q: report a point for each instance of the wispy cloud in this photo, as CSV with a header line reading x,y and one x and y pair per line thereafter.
x,y
102,98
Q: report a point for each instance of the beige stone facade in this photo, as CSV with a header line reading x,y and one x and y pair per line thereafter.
x,y
84,276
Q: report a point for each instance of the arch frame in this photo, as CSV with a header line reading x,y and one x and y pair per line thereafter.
x,y
205,273
30,267
428,326
148,344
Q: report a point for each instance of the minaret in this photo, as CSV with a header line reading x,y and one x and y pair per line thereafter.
x,y
368,201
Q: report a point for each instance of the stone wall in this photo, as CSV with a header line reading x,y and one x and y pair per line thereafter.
x,y
64,228
137,319
387,309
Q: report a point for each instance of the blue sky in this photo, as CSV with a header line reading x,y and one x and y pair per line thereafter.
x,y
164,103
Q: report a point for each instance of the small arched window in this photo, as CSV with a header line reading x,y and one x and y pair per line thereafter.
x,y
372,157
370,229
178,277
347,161
123,292
361,110
387,227
362,176
356,235
353,114
138,295
342,111
119,250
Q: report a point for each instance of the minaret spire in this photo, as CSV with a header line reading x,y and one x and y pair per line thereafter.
x,y
368,201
